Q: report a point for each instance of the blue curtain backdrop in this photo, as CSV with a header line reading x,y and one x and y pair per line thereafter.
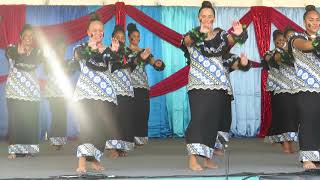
x,y
169,114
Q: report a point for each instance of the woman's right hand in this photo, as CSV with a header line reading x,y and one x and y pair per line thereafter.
x,y
145,54
187,41
115,45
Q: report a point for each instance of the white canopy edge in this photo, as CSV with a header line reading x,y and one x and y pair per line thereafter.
x,y
222,3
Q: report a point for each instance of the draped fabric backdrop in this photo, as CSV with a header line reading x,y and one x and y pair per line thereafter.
x,y
169,114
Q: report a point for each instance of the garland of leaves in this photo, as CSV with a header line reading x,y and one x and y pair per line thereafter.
x,y
86,52
316,45
286,57
196,36
241,39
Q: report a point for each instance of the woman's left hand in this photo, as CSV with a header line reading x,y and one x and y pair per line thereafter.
x,y
158,63
237,28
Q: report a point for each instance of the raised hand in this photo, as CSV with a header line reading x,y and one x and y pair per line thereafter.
x,y
115,45
187,41
243,59
237,28
145,54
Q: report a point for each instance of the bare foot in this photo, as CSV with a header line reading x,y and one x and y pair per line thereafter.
x,y
114,154
57,147
292,150
218,152
29,155
193,163
12,156
138,146
309,165
317,164
122,153
207,163
286,147
82,165
96,165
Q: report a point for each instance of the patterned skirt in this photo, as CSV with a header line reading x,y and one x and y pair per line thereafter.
x,y
284,124
23,126
208,116
124,139
309,134
141,109
58,131
97,123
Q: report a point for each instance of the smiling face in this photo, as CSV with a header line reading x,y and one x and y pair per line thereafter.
x,y
312,22
134,38
27,37
95,31
206,17
280,41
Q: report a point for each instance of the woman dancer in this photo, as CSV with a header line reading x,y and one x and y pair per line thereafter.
x,y
209,86
283,82
23,95
119,146
96,96
305,48
139,78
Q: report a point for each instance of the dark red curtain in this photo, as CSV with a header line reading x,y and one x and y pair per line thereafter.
x,y
154,26
121,14
13,17
281,21
262,26
76,29
172,83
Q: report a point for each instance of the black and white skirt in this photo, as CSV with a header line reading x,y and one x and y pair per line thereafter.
x,y
141,110
284,124
309,134
23,126
208,116
97,123
124,139
58,130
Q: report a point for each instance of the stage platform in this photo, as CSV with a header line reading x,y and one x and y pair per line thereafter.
x,y
249,158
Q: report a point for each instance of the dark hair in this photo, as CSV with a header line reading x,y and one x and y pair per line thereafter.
x,y
92,18
309,8
25,28
287,30
132,28
117,28
276,33
207,4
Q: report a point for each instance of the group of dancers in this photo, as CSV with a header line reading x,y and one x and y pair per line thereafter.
x,y
293,69
111,94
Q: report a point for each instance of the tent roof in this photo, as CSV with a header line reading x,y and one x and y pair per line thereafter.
x,y
226,3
